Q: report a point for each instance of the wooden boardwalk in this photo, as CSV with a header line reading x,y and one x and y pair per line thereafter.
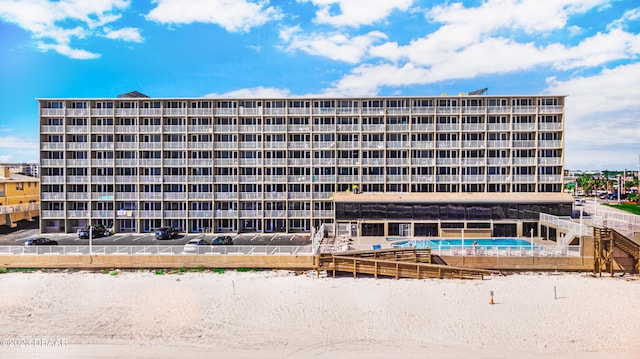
x,y
396,262
606,240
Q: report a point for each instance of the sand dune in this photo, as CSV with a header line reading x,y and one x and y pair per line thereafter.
x,y
281,314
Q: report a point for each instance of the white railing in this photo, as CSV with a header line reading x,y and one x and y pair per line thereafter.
x,y
158,250
15,208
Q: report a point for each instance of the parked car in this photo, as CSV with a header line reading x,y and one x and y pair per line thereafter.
x,y
40,242
222,241
166,233
96,231
193,244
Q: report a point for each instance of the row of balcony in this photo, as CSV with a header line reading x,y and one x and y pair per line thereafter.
x,y
299,179
234,146
146,214
295,111
232,129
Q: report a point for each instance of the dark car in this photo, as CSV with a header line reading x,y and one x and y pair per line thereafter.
x,y
166,233
40,242
222,241
96,231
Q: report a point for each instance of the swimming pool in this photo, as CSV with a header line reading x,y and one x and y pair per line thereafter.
x,y
457,243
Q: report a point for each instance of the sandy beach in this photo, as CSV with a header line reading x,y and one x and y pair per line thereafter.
x,y
282,314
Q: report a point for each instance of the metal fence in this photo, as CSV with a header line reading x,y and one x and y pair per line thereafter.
x,y
537,250
158,250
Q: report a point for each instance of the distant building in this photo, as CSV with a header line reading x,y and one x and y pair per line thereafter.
x,y
274,165
19,197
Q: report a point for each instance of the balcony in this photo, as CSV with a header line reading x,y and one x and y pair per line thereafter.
x,y
524,144
250,145
126,162
348,128
201,162
200,146
448,144
423,161
323,145
550,179
174,162
182,196
275,128
324,111
447,127
122,196
150,129
324,178
298,145
473,144
49,112
498,109
498,179
52,129
299,214
46,214
397,161
498,144
174,145
126,179
550,161
299,161
150,179
448,110
52,179
275,179
550,126
447,178
250,179
473,127
225,162
200,111
101,129
349,179
372,161
498,127
529,127
275,195
175,111
428,127
229,196
200,128
150,214
225,179
524,109
348,111
226,213
126,145
78,179
273,145
423,110
524,161
499,161
251,195
201,213
151,112
146,196
473,178
104,112
225,145
52,163
474,109
78,112
102,196
398,178
299,178
366,179
77,196
225,129
348,161
550,144
108,162
150,162
201,196
550,109
422,178
299,195
75,129
120,112
57,196
102,145
447,161
323,213
473,161
250,162
150,145
373,111
84,214
174,128
524,178
53,145
175,214
324,161
398,128
174,179
322,195
200,179
372,145
252,213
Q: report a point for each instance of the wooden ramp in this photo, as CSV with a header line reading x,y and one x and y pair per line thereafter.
x,y
608,246
396,262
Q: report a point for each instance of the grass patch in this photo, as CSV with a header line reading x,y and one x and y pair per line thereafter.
x,y
113,272
17,270
249,269
627,207
159,271
219,270
197,269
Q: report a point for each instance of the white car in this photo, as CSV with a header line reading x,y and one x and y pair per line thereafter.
x,y
193,245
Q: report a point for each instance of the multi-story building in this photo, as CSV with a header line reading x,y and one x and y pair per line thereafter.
x,y
19,197
273,165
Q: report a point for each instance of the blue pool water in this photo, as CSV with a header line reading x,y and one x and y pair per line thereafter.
x,y
457,243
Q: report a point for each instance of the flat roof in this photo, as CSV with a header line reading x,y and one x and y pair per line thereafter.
x,y
17,177
453,197
297,97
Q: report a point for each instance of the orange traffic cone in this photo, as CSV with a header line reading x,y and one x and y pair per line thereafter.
x,y
491,301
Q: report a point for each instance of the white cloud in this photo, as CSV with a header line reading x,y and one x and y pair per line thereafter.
x,y
126,34
14,142
336,46
256,92
55,24
601,118
232,15
356,12
629,15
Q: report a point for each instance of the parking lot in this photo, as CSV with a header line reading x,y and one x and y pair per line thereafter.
x,y
17,238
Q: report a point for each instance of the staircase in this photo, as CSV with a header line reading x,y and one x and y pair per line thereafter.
x,y
606,258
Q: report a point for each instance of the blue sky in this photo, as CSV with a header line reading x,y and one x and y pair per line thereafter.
x,y
586,49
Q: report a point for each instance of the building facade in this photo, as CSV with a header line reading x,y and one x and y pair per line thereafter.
x,y
19,197
273,165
